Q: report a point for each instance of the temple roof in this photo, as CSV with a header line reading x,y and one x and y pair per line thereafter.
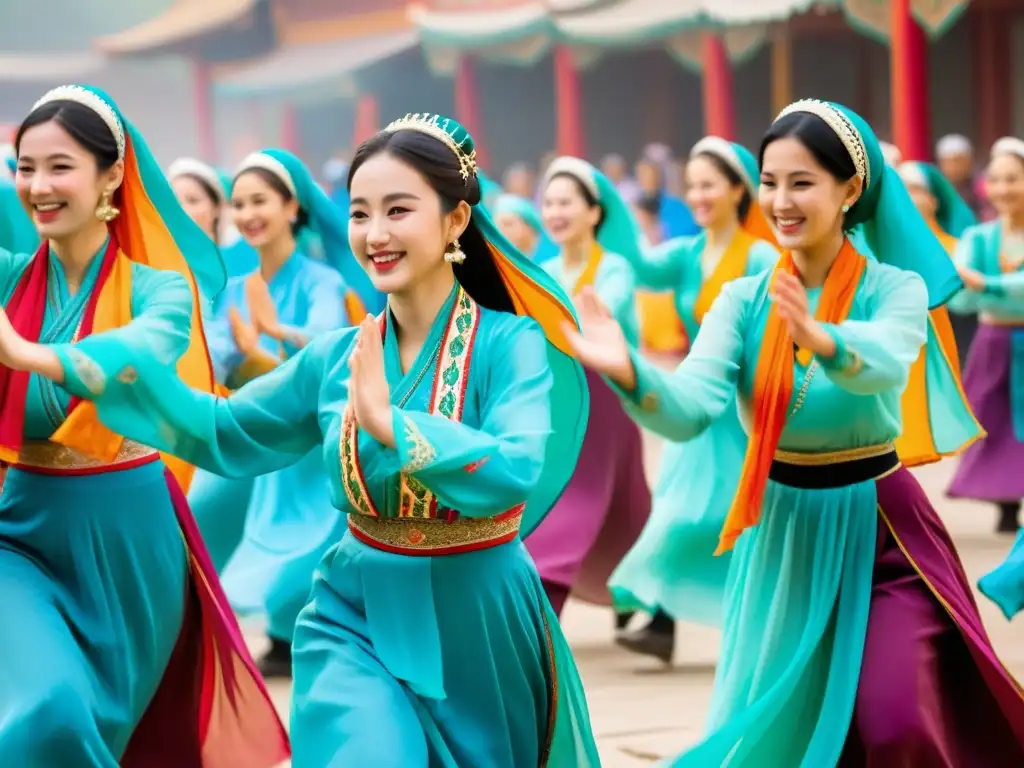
x,y
181,22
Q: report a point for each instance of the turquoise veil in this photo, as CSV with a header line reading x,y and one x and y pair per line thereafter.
x,y
326,220
953,215
886,218
518,206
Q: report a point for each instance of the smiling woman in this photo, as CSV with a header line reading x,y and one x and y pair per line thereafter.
x,y
448,426
119,617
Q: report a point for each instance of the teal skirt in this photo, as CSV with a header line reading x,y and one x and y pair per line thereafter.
x,y
92,579
448,661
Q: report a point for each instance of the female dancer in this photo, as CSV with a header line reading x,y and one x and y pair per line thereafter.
x,y
201,192
518,221
448,425
269,534
850,634
607,503
671,572
990,257
125,651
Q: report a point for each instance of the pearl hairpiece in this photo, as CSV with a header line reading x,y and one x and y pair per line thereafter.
x,y
89,99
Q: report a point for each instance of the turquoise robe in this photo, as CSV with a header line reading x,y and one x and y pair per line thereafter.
x,y
92,567
267,535
799,586
615,285
398,660
672,566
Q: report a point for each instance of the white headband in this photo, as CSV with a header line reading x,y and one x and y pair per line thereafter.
x,y
842,127
953,145
1008,145
267,163
188,166
576,167
87,98
725,151
913,174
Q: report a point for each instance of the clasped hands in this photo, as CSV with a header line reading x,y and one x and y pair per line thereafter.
x,y
368,390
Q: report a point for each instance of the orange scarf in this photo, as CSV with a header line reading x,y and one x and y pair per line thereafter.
x,y
589,273
732,265
773,387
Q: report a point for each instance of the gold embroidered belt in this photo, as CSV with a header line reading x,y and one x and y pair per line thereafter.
x,y
427,536
834,469
46,458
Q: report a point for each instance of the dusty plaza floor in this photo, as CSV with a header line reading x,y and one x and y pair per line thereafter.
x,y
643,711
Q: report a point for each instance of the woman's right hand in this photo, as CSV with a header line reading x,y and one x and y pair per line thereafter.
x,y
600,343
247,338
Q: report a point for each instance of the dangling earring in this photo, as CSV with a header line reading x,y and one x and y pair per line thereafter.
x,y
846,208
106,212
453,253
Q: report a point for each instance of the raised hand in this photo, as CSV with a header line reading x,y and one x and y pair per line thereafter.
x,y
261,307
600,343
973,280
247,338
790,299
12,345
369,393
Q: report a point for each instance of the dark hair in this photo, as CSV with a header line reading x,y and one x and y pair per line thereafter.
x,y
274,182
439,166
650,204
820,140
211,193
588,197
734,180
81,123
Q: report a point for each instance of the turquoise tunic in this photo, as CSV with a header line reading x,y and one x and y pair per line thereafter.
x,y
399,660
614,283
267,535
92,567
799,586
672,567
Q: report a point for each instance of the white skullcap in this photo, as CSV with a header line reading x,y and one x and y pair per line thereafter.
x,y
891,153
953,145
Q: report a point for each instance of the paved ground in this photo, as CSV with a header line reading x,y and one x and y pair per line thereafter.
x,y
642,711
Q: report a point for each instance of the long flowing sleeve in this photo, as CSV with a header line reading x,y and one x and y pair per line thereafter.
x,y
681,405
966,254
875,355
661,267
268,424
1009,285
12,265
486,470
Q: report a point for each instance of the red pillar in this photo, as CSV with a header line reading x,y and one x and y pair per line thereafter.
x,y
719,115
911,116
206,134
290,129
367,120
569,136
467,106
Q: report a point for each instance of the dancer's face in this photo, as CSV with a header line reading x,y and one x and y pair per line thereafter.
x,y
1005,184
924,200
711,196
196,201
801,199
262,214
568,216
398,227
59,183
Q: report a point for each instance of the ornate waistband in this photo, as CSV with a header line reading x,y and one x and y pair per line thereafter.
x,y
833,469
46,458
433,537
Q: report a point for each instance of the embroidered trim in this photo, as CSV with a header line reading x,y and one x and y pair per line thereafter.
x,y
352,479
422,452
89,372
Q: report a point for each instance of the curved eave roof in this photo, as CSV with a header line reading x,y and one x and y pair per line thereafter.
x,y
182,22
309,69
479,29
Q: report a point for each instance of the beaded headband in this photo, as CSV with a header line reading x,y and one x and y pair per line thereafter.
x,y
720,148
437,127
576,167
841,126
267,163
187,166
87,98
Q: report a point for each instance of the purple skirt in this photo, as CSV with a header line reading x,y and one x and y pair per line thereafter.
x,y
932,691
604,508
990,469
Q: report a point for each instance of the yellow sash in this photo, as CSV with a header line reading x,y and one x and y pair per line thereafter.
x,y
732,266
589,274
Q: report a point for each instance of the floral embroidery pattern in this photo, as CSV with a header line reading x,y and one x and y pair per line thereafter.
x,y
351,472
89,372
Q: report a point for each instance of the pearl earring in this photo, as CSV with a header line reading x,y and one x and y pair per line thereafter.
x,y
453,253
846,208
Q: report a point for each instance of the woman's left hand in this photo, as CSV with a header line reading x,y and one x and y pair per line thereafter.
x,y
973,281
368,387
13,347
790,299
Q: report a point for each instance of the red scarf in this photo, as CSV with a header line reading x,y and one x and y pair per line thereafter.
x,y
26,311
